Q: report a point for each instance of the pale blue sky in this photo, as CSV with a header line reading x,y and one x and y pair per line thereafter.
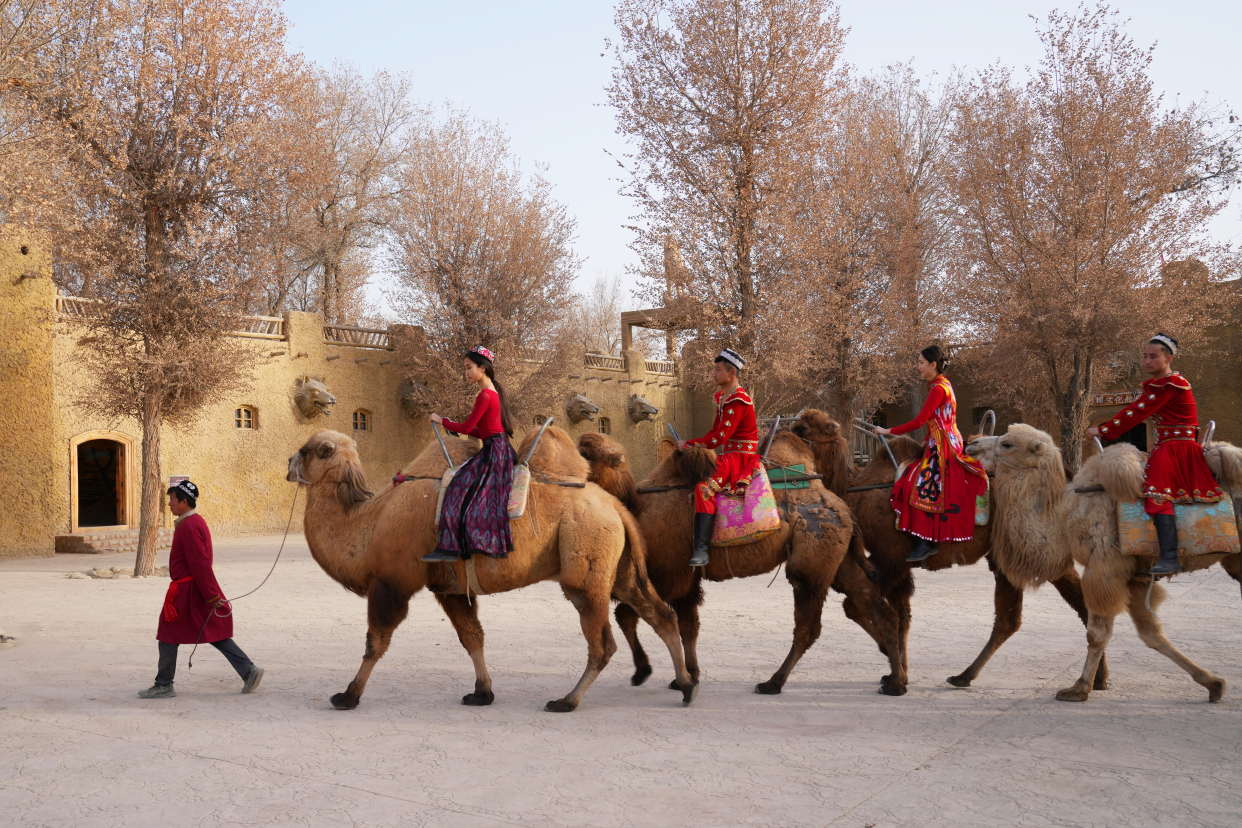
x,y
536,67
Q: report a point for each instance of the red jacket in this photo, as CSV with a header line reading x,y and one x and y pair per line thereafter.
x,y
484,418
191,557
734,429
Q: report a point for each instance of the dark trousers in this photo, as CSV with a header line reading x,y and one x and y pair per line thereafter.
x,y
168,660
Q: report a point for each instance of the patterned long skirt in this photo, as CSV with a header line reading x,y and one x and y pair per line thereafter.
x,y
944,479
475,517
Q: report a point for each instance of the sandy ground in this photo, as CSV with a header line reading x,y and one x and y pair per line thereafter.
x,y
78,748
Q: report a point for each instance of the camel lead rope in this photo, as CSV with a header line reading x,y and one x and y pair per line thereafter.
x,y
1150,586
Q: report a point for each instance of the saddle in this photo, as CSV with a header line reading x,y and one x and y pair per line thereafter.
x,y
1202,529
741,520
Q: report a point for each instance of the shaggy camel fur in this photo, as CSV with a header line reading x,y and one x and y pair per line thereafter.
x,y
1015,562
580,537
1113,582
816,542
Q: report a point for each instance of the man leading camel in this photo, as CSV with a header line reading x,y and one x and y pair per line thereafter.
x,y
1176,471
735,438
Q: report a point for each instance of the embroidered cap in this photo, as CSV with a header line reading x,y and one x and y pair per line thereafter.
x,y
483,352
185,490
1165,340
732,357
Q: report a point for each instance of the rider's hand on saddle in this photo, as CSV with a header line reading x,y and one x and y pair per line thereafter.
x,y
681,445
1093,432
436,418
880,430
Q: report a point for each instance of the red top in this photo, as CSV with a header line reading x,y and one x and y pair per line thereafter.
x,y
484,419
1167,399
936,397
734,427
191,556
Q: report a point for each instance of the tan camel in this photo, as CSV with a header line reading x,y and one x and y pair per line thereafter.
x,y
580,537
816,542
1017,560
1113,582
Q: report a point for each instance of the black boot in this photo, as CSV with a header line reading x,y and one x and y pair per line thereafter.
x,y
703,524
923,549
1166,533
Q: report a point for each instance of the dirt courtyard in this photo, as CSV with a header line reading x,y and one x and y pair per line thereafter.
x,y
78,748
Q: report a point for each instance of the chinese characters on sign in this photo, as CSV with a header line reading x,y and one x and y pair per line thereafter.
x,y
1114,398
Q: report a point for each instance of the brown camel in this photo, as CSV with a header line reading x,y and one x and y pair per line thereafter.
x,y
580,537
816,542
1113,582
1013,564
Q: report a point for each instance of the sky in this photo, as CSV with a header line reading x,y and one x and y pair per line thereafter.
x,y
539,68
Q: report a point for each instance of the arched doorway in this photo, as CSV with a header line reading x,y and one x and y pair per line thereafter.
x,y
102,468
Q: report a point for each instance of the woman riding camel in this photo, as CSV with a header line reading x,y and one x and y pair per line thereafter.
x,y
475,516
1176,471
935,497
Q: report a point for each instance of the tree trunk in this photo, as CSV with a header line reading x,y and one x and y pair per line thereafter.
x,y
152,486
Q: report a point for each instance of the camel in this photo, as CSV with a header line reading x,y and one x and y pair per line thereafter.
x,y
1113,582
1017,562
816,542
580,537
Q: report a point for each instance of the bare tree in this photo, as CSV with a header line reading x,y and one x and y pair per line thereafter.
x,y
721,99
167,117
1070,189
483,255
596,316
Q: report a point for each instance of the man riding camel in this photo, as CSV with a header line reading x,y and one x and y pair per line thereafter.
x,y
1176,472
735,438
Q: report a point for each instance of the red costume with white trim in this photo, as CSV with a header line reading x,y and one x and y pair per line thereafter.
x,y
735,438
193,585
1176,471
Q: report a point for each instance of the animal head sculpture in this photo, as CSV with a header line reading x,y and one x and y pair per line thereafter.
x,y
312,397
579,408
609,468
331,457
415,399
640,410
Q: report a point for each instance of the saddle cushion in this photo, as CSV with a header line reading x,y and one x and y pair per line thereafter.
x,y
1202,529
746,519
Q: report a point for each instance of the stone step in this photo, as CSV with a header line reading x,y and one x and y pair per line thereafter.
x,y
116,540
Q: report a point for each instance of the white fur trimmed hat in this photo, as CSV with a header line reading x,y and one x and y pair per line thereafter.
x,y
732,357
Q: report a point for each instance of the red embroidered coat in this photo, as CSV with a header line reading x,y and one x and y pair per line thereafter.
x,y
735,438
191,557
1176,470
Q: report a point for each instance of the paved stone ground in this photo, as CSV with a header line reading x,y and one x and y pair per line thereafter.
x,y
78,748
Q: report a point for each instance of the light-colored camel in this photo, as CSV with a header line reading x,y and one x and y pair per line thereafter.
x,y
1113,582
583,538
1018,560
816,542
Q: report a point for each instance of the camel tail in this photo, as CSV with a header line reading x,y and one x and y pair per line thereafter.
x,y
859,554
638,546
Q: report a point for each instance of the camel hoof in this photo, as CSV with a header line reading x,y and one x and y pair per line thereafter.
x,y
1074,694
1101,683
1216,689
560,706
958,681
889,688
688,693
344,701
768,688
478,699
640,675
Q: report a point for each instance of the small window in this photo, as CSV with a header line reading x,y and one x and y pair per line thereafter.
x,y
362,420
605,425
246,417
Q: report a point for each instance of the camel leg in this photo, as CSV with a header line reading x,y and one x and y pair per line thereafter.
x,y
899,598
627,620
808,612
593,615
687,609
1152,632
1099,632
1070,588
387,606
864,606
647,604
1006,622
464,616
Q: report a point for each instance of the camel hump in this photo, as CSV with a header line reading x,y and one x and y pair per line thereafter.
x,y
1225,461
1119,470
556,458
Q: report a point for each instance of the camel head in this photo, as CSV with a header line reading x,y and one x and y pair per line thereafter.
x,y
331,457
1028,467
579,408
640,410
817,427
312,398
983,448
610,469
827,441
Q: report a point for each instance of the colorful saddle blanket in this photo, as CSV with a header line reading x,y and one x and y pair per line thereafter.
x,y
746,519
1202,529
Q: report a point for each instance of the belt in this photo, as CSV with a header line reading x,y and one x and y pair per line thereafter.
x,y
174,589
1166,434
741,447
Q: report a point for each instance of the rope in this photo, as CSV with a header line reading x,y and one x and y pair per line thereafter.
x,y
788,541
1150,585
215,611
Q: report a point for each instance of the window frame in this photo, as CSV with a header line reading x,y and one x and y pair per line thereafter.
x,y
246,418
368,422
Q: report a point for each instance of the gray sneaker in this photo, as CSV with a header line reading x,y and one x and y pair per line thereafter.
x,y
158,691
252,679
